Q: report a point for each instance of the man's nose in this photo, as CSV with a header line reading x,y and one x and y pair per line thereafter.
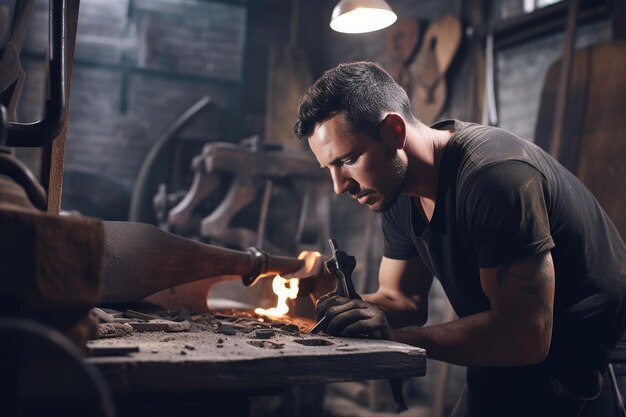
x,y
341,182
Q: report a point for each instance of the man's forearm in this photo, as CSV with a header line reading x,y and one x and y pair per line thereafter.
x,y
481,339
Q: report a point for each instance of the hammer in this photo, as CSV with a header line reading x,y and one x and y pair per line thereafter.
x,y
341,266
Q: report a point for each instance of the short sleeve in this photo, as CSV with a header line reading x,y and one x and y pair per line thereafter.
x,y
504,211
396,225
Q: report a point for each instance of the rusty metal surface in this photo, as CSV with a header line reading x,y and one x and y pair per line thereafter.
x,y
218,355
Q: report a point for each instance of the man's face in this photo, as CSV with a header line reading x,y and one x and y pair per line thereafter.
x,y
370,170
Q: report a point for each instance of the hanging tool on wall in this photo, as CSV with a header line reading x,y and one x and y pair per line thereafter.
x,y
438,48
49,132
288,76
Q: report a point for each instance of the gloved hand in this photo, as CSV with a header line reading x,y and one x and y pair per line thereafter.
x,y
346,317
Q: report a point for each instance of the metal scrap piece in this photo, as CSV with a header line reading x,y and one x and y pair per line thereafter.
x,y
264,333
113,330
101,316
226,329
133,314
266,344
161,326
111,350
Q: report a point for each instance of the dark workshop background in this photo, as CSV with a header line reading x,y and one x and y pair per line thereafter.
x,y
139,64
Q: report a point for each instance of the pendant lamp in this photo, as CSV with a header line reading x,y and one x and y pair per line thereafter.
x,y
360,16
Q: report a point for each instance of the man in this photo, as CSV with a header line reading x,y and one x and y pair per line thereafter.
x,y
535,270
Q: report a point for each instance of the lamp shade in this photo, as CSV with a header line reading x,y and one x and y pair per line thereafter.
x,y
359,16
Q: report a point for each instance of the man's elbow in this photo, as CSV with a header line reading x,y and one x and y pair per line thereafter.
x,y
536,356
537,346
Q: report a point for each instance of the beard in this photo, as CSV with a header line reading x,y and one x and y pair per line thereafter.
x,y
387,190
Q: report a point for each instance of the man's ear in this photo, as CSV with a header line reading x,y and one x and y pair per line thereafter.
x,y
393,130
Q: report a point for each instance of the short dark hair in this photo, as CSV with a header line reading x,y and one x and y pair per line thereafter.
x,y
363,91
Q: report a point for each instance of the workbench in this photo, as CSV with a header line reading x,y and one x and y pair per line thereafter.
x,y
222,371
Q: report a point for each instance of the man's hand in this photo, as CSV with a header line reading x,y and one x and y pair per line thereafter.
x,y
315,280
352,318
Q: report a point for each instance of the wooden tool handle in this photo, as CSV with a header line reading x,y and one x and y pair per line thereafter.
x,y
140,259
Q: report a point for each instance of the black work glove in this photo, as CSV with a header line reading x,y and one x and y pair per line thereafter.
x,y
346,317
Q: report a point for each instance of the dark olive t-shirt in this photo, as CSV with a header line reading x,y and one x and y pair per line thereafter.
x,y
499,199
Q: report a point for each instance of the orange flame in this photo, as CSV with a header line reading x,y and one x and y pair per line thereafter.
x,y
279,285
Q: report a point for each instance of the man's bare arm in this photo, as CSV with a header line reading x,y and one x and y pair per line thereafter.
x,y
516,331
403,291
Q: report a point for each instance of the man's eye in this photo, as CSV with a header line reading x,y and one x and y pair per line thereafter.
x,y
348,161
